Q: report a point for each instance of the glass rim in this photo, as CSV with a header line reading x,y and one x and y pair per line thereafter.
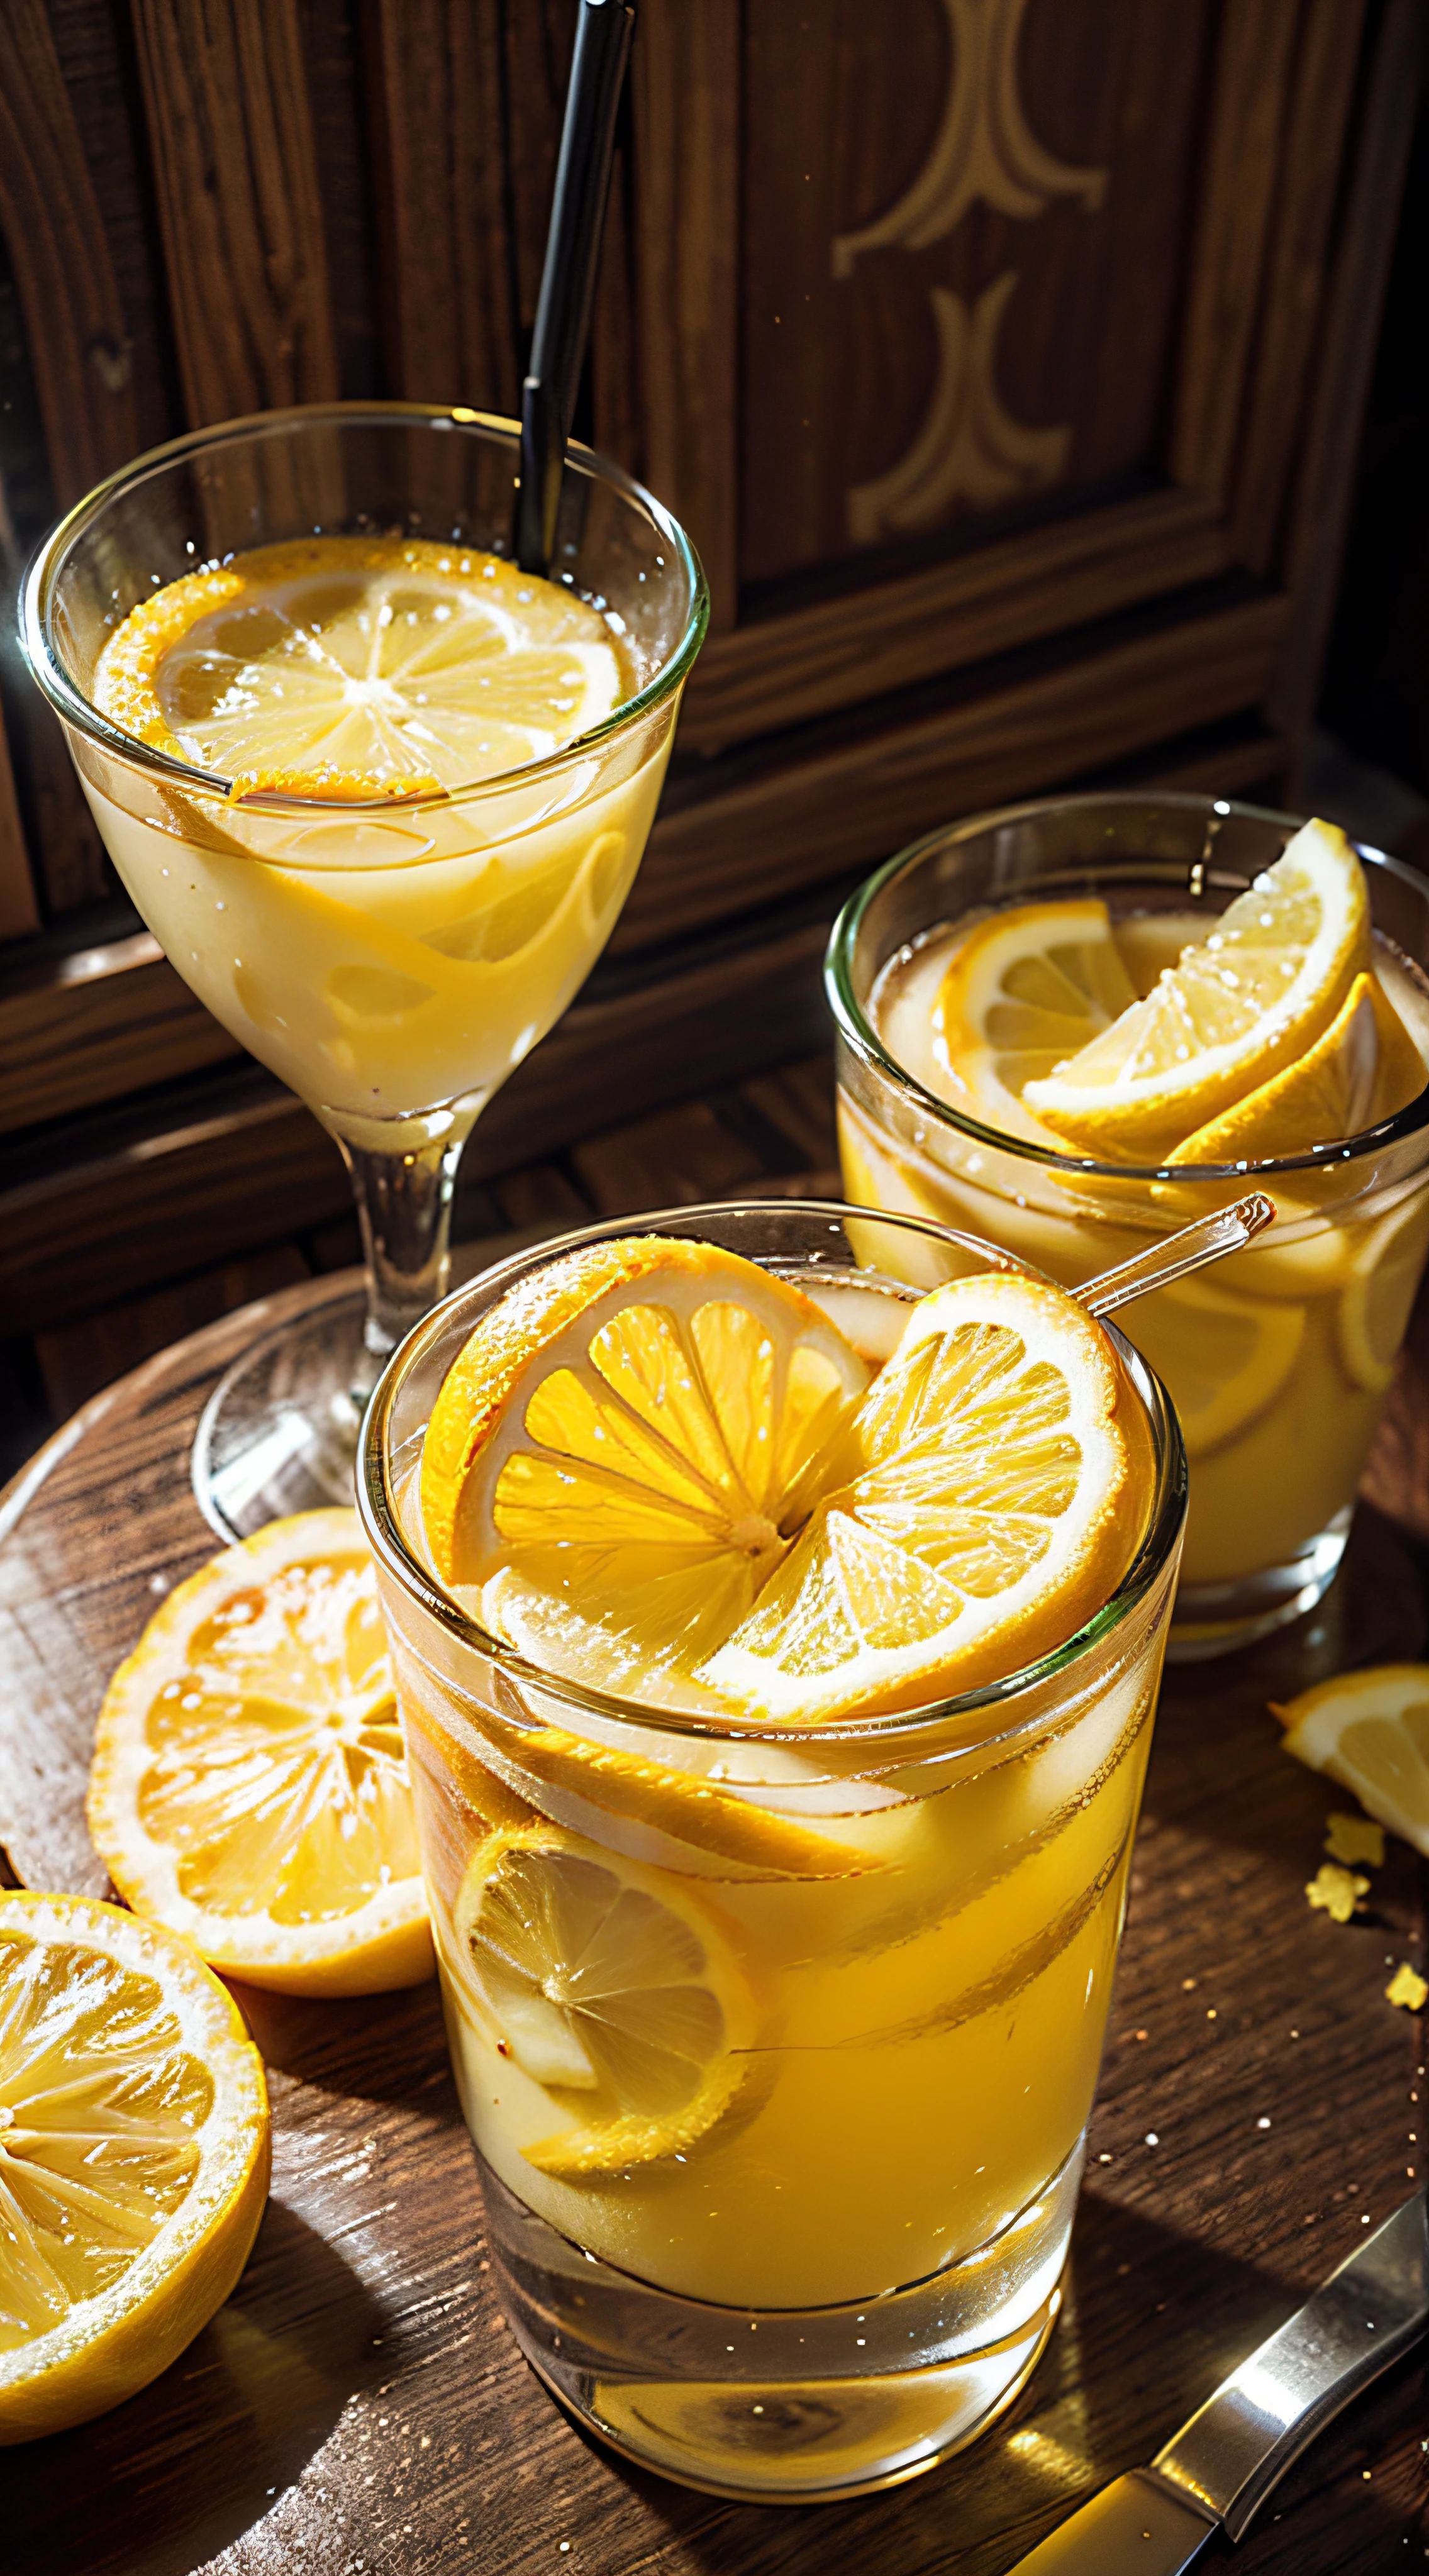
x,y
381,1524
42,573
859,1035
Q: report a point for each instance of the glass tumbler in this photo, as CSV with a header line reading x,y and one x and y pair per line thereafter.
x,y
1277,1362
828,2251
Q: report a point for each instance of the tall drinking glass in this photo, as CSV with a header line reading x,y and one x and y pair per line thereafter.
x,y
393,963
829,2251
1279,1364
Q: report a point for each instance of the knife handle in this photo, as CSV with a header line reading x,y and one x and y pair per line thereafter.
x,y
1135,2527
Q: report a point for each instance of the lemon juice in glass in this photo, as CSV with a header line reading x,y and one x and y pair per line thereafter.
x,y
777,1656
1078,1025
380,796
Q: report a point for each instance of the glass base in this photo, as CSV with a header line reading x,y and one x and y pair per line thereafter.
x,y
279,1432
1215,1618
788,2406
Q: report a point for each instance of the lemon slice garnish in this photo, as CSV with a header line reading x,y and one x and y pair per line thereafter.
x,y
622,1439
133,2155
1233,1012
613,1990
1024,990
249,1786
981,1505
357,668
1370,1730
1363,1068
659,1464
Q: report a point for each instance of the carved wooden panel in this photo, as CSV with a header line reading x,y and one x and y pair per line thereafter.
x,y
961,259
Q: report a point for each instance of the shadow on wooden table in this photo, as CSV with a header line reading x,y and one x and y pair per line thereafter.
x,y
193,2461
1153,2320
368,2048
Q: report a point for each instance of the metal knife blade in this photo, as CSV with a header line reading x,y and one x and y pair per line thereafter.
x,y
1216,2473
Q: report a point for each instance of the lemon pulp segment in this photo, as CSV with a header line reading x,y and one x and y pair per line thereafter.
x,y
249,1784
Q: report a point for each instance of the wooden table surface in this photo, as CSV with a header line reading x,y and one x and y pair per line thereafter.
x,y
359,2405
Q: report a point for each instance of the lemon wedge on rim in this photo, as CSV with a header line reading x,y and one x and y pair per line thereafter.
x,y
1370,1731
133,2155
1233,1012
359,668
617,1993
668,1452
249,1785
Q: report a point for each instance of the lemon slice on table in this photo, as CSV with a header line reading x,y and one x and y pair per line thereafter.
x,y
620,1997
1370,1730
359,667
249,1786
1234,1011
133,2155
1024,990
1227,1357
670,1454
1378,1296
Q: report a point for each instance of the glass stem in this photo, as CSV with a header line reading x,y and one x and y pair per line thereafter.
x,y
404,1206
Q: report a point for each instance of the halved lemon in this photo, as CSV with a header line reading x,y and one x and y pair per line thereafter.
x,y
657,1460
133,2155
1378,1296
613,1990
1226,1357
1233,1012
1370,1730
1024,990
249,1786
359,667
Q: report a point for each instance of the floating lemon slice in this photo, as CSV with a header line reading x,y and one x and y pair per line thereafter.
x,y
1370,1730
1378,1296
1023,991
619,1996
249,1786
1227,1357
621,1439
133,2156
1233,1012
359,668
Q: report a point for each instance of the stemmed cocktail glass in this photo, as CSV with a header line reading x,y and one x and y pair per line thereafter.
x,y
392,962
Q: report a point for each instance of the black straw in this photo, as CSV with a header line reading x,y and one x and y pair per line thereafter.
x,y
603,32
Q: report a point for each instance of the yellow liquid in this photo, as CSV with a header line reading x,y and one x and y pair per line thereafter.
x,y
389,960
925,2034
1277,1362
